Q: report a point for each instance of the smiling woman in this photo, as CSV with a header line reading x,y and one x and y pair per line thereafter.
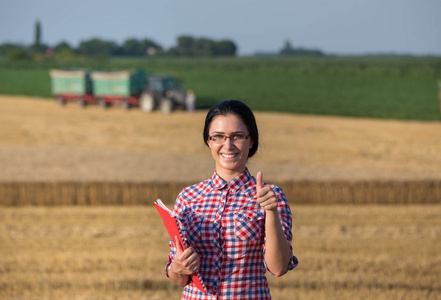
x,y
229,151
232,151
237,228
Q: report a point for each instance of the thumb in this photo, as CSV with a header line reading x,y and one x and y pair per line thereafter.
x,y
259,178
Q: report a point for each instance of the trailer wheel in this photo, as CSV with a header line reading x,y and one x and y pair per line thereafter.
x,y
125,105
61,101
81,102
147,102
166,106
103,103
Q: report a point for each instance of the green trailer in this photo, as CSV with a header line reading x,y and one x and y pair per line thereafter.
x,y
118,87
125,88
71,85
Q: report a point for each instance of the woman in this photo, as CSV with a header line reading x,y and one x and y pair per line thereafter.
x,y
237,227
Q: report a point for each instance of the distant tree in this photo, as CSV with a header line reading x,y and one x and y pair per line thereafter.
x,y
131,47
7,48
37,40
189,46
185,45
289,50
225,48
98,47
64,51
62,47
308,52
18,54
37,47
134,47
203,47
149,46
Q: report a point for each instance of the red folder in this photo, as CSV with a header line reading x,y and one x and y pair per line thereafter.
x,y
171,224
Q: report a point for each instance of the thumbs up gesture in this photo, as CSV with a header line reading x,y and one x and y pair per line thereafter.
x,y
265,195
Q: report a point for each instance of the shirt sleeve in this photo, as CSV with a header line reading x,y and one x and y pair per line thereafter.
x,y
171,256
178,208
285,216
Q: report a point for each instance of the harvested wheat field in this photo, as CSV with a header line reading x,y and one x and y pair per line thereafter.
x,y
108,252
49,250
316,159
39,141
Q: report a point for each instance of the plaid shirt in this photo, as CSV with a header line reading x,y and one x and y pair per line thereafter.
x,y
225,225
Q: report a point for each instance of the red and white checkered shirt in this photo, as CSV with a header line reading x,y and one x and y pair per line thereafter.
x,y
224,223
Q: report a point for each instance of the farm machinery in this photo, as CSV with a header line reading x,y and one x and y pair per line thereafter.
x,y
123,88
162,92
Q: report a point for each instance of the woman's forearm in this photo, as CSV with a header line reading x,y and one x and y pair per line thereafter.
x,y
278,252
180,280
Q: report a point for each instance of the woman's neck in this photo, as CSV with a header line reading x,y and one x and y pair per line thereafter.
x,y
228,175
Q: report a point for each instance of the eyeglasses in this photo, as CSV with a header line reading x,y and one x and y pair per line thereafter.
x,y
235,138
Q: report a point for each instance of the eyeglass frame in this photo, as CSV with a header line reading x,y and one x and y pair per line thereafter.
x,y
231,137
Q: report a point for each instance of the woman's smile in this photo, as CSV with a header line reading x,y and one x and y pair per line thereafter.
x,y
229,156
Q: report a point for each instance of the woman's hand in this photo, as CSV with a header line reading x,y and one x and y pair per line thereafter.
x,y
265,195
278,251
186,262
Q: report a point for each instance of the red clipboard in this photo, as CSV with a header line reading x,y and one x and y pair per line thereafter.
x,y
171,224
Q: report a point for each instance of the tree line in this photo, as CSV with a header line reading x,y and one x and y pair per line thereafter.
x,y
187,46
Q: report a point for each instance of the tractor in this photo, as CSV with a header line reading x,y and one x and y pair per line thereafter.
x,y
162,92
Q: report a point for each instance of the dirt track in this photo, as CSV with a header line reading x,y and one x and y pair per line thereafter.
x,y
39,141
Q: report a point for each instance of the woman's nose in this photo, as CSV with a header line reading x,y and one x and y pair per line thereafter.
x,y
229,143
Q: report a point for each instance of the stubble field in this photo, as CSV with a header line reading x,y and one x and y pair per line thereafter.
x,y
345,252
43,142
119,252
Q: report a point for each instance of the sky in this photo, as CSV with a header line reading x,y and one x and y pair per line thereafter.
x,y
339,27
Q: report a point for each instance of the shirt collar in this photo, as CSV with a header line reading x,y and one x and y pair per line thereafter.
x,y
234,185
